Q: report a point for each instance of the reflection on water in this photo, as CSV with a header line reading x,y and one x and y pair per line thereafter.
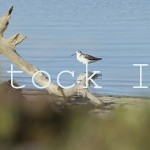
x,y
116,30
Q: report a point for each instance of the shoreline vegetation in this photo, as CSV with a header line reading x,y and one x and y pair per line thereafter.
x,y
33,119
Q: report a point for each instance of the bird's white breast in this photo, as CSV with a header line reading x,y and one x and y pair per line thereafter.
x,y
82,59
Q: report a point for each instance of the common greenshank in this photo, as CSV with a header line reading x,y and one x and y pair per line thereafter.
x,y
85,58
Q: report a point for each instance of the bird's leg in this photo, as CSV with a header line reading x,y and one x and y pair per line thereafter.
x,y
87,73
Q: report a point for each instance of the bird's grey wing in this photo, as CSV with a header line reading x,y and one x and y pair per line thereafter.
x,y
89,57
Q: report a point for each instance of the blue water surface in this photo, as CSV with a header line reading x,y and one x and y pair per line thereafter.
x,y
116,30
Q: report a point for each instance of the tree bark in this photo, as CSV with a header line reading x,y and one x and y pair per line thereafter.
x,y
7,48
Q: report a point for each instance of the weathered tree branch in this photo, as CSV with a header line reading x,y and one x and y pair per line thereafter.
x,y
7,48
16,39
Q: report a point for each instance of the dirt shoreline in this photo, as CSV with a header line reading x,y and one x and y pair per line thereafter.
x,y
109,100
36,98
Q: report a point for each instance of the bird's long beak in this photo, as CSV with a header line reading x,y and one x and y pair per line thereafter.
x,y
73,54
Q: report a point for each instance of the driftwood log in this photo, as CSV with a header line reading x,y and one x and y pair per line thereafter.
x,y
8,48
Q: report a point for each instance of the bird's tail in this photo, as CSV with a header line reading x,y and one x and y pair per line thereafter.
x,y
98,58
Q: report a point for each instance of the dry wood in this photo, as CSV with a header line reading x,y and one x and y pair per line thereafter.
x,y
7,48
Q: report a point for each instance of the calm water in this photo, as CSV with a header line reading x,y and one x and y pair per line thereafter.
x,y
116,30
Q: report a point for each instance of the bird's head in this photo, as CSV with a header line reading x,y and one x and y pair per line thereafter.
x,y
78,52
